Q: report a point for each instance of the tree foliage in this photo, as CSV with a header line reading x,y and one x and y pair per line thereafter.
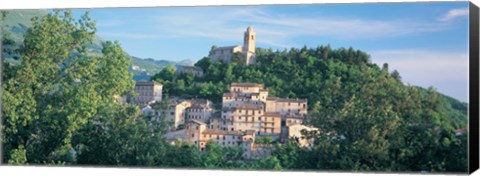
x,y
61,107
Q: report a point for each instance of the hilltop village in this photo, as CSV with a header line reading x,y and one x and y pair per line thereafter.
x,y
247,112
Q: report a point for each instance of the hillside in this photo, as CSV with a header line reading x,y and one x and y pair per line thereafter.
x,y
17,23
331,77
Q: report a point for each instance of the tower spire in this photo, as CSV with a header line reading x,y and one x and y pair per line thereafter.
x,y
249,46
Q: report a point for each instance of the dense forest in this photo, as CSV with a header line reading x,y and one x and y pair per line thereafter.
x,y
59,107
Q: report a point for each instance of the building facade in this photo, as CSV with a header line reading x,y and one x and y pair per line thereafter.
x,y
147,93
197,133
200,109
248,111
247,51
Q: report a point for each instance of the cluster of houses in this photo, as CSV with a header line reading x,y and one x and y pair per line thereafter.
x,y
247,112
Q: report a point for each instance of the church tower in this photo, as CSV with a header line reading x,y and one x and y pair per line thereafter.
x,y
249,46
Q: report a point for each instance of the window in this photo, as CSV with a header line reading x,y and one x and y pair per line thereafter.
x,y
259,118
171,113
232,129
195,142
193,135
223,137
197,127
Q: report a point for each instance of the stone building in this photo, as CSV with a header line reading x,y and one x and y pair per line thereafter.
x,y
247,107
248,110
244,93
196,132
247,51
225,53
175,113
287,107
147,93
179,111
200,109
242,117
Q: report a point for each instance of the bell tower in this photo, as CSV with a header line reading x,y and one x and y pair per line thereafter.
x,y
249,46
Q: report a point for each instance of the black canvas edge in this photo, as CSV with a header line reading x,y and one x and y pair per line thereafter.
x,y
473,143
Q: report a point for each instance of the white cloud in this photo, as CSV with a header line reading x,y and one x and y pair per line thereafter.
x,y
454,13
279,29
446,71
132,35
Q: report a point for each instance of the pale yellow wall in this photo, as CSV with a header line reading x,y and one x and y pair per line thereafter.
x,y
193,132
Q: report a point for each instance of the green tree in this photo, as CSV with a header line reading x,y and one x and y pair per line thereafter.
x,y
58,88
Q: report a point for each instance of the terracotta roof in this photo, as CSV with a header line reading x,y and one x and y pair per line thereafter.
x,y
240,95
294,116
246,85
250,132
222,132
287,100
272,114
198,122
200,104
245,106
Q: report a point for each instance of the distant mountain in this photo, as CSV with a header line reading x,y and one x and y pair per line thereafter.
x,y
17,23
186,62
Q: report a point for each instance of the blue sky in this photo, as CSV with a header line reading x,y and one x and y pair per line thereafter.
x,y
426,42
